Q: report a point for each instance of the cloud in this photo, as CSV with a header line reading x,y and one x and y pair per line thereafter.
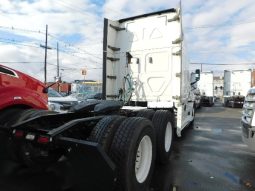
x,y
64,20
77,26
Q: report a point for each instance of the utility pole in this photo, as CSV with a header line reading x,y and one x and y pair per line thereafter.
x,y
45,54
58,77
57,61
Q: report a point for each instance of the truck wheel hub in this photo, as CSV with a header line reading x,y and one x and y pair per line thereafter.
x,y
168,137
143,159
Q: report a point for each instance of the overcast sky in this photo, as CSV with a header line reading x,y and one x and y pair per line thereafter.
x,y
217,32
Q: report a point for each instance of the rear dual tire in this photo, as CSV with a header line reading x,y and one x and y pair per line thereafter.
x,y
146,113
130,143
163,122
104,131
133,151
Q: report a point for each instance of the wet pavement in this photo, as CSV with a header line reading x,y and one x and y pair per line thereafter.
x,y
210,156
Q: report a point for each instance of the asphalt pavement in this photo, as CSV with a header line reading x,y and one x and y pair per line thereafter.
x,y
209,156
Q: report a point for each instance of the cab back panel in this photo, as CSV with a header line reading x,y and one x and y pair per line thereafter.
x,y
205,84
141,58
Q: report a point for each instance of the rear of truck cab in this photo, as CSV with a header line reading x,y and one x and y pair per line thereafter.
x,y
248,120
236,85
206,87
145,63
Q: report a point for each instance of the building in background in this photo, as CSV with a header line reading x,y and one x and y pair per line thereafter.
x,y
86,86
64,88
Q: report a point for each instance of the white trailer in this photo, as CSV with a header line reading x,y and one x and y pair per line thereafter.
x,y
205,85
236,85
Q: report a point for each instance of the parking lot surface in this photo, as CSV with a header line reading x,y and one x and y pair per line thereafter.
x,y
209,156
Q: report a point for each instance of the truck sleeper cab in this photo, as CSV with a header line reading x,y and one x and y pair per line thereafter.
x,y
248,120
236,85
145,64
205,85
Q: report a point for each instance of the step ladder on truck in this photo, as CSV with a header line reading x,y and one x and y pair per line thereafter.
x,y
111,144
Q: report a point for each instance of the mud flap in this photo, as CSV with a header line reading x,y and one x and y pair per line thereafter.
x,y
3,149
89,166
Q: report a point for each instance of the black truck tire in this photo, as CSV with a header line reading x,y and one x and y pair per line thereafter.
x,y
193,113
133,151
9,116
163,122
104,131
30,113
15,116
146,113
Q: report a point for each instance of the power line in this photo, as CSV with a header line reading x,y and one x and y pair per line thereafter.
x,y
224,64
27,45
17,43
218,26
62,3
22,29
225,51
21,62
53,36
69,68
86,59
68,45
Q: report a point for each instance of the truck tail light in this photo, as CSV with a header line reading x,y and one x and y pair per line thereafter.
x,y
18,133
43,140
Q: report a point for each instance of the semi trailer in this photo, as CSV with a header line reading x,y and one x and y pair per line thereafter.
x,y
205,85
236,85
111,144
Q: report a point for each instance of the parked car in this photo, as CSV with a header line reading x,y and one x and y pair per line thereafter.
x,y
79,96
97,96
60,103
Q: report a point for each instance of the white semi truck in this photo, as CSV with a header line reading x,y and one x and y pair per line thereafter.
x,y
205,85
113,144
236,85
145,65
248,119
